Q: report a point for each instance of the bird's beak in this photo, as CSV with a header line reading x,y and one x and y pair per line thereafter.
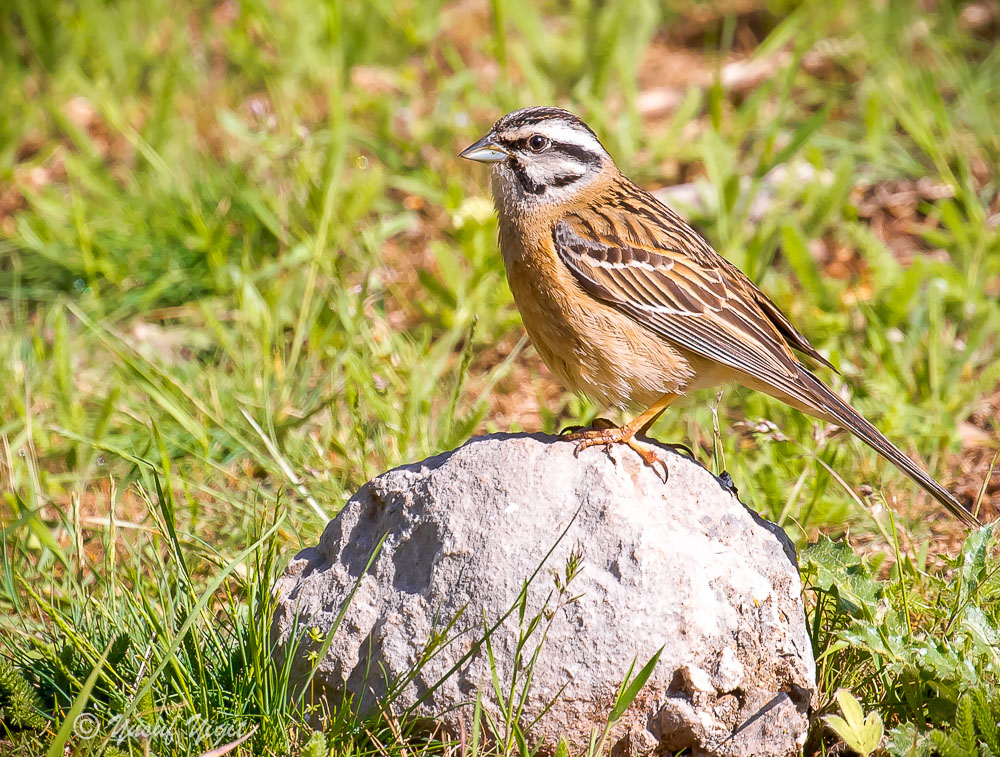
x,y
486,150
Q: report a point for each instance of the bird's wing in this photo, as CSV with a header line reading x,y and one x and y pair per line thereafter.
x,y
668,279
685,292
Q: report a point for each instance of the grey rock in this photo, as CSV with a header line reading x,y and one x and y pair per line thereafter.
x,y
680,565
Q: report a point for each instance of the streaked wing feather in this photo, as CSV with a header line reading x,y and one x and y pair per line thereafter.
x,y
671,281
791,334
674,294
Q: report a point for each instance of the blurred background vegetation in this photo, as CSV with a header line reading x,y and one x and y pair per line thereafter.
x,y
242,271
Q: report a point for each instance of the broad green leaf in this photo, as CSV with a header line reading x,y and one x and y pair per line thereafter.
x,y
838,570
850,706
860,733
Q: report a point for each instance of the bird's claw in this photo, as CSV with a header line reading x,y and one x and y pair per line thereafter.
x,y
608,437
651,459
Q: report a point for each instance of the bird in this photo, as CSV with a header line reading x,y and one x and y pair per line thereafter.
x,y
627,304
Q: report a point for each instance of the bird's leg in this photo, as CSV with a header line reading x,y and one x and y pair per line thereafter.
x,y
625,434
662,405
680,448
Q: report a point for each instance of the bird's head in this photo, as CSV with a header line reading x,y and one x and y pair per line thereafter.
x,y
540,156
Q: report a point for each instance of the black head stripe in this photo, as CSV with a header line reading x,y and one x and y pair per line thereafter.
x,y
581,154
578,153
527,183
533,187
529,116
564,180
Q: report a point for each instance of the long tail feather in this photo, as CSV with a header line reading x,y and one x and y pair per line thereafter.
x,y
838,411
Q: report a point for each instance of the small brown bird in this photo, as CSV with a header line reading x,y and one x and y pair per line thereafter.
x,y
626,303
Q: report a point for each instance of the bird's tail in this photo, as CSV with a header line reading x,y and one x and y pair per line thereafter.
x,y
829,406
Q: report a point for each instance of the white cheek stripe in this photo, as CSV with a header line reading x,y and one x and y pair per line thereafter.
x,y
542,169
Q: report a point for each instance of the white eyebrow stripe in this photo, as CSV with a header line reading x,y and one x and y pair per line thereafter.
x,y
561,131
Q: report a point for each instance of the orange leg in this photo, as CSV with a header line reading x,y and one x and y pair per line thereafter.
x,y
625,434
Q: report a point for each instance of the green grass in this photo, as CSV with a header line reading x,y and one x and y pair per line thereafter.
x,y
242,271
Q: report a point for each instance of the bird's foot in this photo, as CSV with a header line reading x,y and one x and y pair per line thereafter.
x,y
617,435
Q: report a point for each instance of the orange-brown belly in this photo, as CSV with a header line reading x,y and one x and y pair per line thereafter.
x,y
591,347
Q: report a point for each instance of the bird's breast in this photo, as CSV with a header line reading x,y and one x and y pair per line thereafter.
x,y
590,346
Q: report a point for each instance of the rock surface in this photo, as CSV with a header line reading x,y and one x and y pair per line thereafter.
x,y
681,565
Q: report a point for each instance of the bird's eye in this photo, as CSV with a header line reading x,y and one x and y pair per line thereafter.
x,y
537,143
